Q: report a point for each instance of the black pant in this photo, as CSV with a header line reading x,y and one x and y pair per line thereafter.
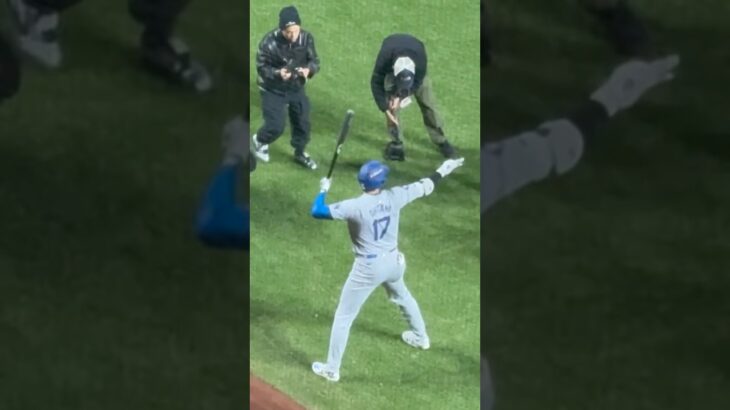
x,y
273,106
157,16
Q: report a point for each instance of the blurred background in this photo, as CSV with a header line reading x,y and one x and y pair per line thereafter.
x,y
107,300
607,288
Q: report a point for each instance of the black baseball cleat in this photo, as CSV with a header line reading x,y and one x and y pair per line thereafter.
x,y
305,160
624,30
394,151
448,151
172,59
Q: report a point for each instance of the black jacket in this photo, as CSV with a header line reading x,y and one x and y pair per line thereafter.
x,y
394,46
276,52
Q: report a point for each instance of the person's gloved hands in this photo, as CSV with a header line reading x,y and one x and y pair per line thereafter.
x,y
449,166
324,184
631,80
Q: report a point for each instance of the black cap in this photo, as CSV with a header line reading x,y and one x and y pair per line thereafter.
x,y
289,16
404,82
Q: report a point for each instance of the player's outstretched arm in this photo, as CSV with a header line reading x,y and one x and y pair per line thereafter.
x,y
320,210
557,146
425,186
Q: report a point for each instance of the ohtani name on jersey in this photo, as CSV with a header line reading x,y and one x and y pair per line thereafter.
x,y
379,208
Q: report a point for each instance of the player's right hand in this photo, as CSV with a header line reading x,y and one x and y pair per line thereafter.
x,y
449,166
324,184
285,74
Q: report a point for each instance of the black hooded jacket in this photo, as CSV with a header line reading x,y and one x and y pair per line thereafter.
x,y
276,52
393,47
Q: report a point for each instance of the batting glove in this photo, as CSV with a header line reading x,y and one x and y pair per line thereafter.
x,y
449,166
324,184
631,80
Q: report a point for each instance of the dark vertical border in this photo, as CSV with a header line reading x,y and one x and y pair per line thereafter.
x,y
487,387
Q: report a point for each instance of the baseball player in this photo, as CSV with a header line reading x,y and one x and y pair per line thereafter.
x,y
401,72
373,221
221,221
556,147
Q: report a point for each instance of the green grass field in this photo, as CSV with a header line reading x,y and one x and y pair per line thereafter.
x,y
608,288
106,299
298,264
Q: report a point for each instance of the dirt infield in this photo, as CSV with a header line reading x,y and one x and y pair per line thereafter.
x,y
263,396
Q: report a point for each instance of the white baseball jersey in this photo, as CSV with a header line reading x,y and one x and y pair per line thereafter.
x,y
373,219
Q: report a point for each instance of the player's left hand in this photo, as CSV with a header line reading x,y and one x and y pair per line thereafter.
x,y
324,184
449,166
631,80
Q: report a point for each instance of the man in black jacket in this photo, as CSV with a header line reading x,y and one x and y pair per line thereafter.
x,y
401,72
285,61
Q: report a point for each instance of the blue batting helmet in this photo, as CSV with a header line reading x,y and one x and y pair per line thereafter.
x,y
372,175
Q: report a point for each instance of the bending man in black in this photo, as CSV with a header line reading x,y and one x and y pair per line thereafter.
x,y
401,71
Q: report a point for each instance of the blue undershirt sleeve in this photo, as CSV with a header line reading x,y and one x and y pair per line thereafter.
x,y
320,210
221,222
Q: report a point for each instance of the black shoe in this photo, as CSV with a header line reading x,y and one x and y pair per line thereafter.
x,y
172,59
448,151
394,151
624,30
304,159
